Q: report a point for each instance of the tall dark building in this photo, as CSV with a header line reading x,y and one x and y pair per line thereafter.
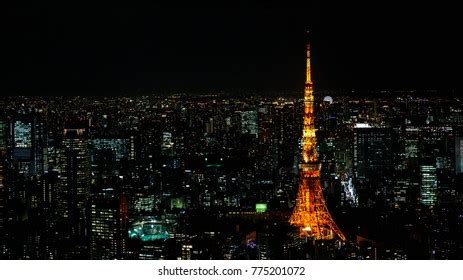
x,y
373,152
74,182
459,155
2,184
428,185
108,231
29,144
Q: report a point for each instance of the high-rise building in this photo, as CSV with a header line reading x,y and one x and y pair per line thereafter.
x,y
3,130
373,154
327,115
108,215
74,181
210,126
103,230
263,245
458,155
29,141
249,123
167,145
186,251
107,154
428,185
403,191
151,138
119,146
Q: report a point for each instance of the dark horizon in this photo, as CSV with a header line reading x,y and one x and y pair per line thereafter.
x,y
258,46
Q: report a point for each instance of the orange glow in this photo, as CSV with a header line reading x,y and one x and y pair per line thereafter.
x,y
310,213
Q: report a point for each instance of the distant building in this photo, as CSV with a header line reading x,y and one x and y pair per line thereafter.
x,y
120,147
108,220
403,190
428,185
210,126
3,197
29,141
144,204
74,181
373,156
186,251
263,246
459,155
249,123
167,144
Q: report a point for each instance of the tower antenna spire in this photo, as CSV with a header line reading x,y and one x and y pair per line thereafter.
x,y
308,78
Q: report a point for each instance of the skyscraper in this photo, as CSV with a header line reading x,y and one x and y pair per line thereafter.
x,y
459,155
2,186
29,140
249,123
74,181
428,185
373,157
108,215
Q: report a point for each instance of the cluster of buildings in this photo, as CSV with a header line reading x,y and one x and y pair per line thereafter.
x,y
215,177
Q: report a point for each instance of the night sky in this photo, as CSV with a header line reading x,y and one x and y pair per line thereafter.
x,y
149,47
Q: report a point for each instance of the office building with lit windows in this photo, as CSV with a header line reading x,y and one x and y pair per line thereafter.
x,y
107,236
459,155
73,188
29,139
428,185
249,123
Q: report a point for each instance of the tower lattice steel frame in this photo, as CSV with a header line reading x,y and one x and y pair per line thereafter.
x,y
310,214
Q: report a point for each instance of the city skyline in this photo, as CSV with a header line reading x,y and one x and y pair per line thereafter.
x,y
230,161
176,177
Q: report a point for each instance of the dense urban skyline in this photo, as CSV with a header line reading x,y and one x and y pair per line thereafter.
x,y
153,132
255,46
213,177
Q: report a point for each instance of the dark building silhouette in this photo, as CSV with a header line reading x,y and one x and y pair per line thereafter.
x,y
373,152
73,188
108,230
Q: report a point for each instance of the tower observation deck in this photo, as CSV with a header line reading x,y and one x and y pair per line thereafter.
x,y
310,214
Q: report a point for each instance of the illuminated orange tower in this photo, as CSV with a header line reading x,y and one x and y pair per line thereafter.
x,y
310,214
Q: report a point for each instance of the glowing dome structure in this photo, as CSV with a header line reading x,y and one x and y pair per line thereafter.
x,y
328,99
148,229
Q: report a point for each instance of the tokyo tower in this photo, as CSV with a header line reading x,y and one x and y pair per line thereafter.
x,y
310,214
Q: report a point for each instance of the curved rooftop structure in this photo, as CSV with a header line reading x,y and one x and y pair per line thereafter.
x,y
328,99
148,229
